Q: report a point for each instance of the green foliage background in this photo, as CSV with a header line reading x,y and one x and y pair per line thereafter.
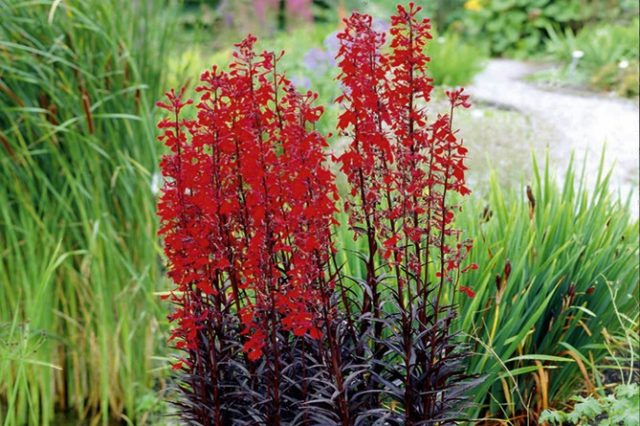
x,y
79,261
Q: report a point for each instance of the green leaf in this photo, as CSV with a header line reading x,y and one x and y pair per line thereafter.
x,y
540,358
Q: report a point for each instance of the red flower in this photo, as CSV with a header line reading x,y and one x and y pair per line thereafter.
x,y
467,291
402,167
248,199
248,204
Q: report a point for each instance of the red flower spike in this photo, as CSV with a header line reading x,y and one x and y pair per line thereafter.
x,y
401,166
248,199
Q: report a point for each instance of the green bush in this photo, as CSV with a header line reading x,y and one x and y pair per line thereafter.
x,y
78,259
552,266
604,56
519,27
453,61
617,408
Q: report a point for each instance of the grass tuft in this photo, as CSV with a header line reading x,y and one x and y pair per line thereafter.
x,y
78,257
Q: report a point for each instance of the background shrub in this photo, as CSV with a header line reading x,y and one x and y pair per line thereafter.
x,y
618,408
454,62
604,56
618,397
519,27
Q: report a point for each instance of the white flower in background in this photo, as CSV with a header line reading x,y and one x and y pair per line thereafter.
x,y
575,58
623,64
156,182
577,54
441,40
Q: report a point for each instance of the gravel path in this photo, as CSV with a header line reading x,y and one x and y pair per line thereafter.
x,y
568,121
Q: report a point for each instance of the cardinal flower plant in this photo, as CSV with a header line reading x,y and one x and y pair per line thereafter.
x,y
270,325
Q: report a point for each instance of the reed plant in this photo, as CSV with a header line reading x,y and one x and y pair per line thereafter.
x,y
78,259
558,266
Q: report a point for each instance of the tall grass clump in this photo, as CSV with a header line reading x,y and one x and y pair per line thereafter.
x,y
617,400
558,266
78,261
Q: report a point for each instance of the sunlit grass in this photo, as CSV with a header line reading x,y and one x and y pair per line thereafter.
x,y
538,335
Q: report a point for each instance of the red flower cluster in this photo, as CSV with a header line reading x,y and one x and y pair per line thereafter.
x,y
402,167
247,213
247,203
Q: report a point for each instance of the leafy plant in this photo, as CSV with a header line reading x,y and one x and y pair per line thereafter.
x,y
453,61
553,264
269,330
519,27
622,406
402,170
604,56
252,266
618,408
